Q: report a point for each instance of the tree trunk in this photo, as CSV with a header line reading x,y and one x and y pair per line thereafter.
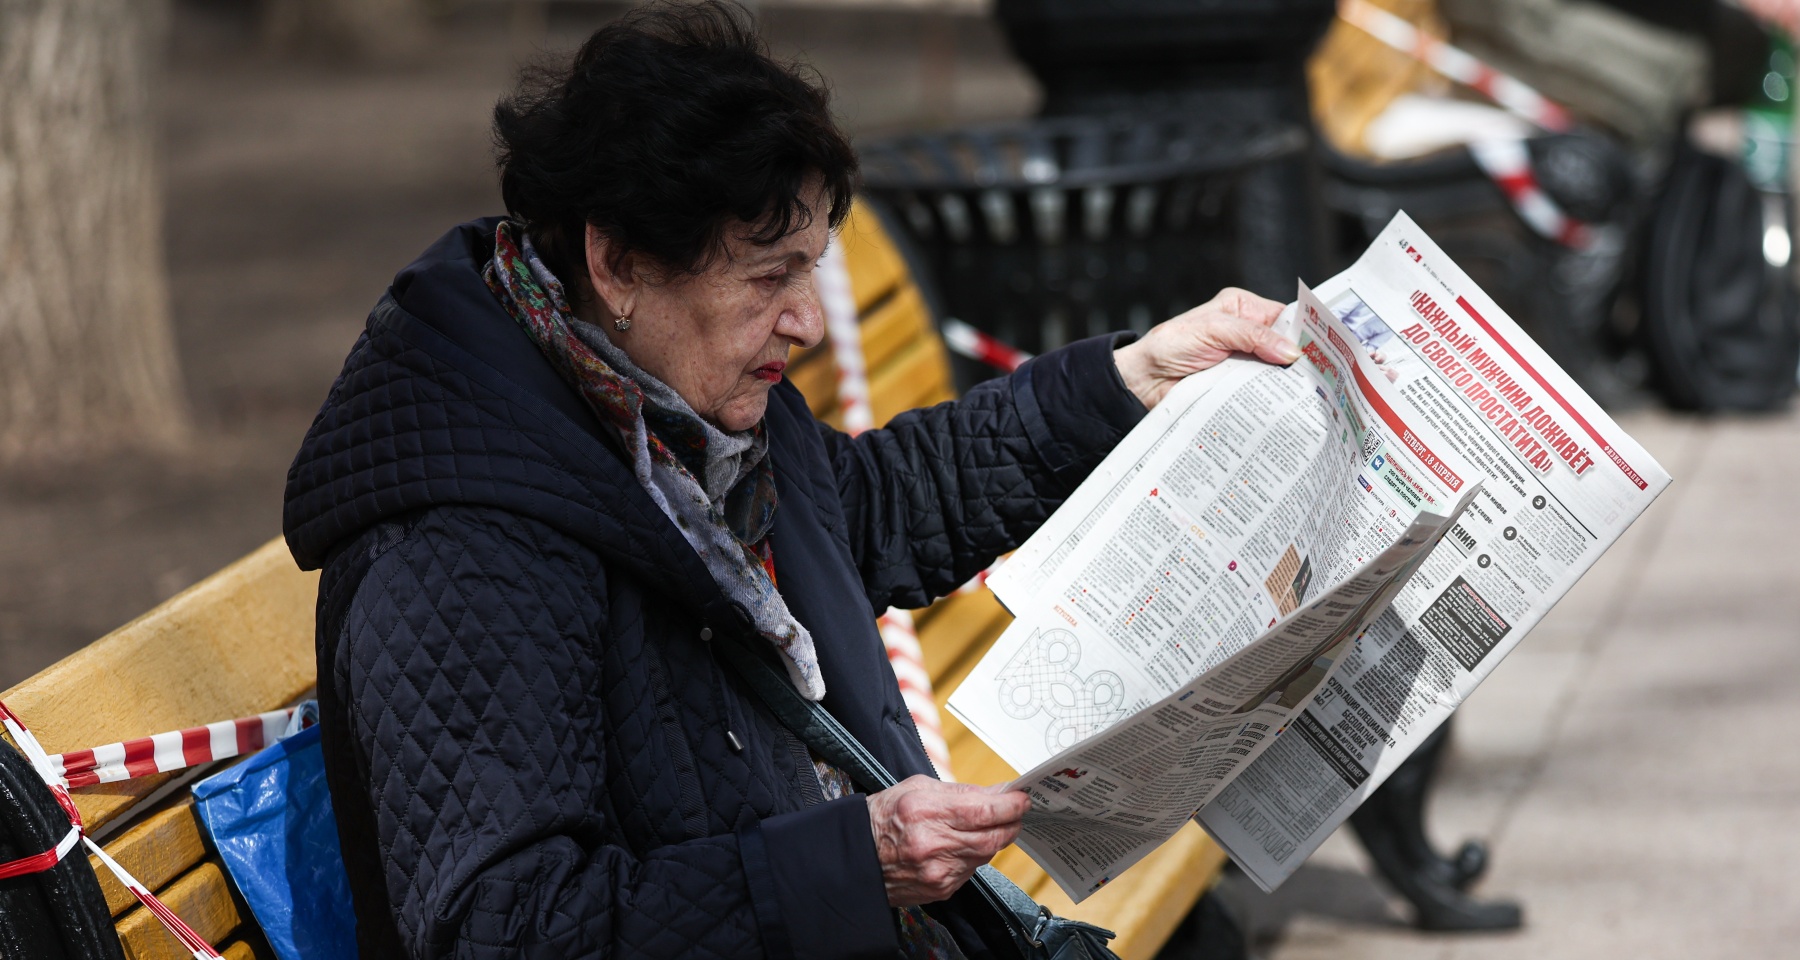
x,y
87,353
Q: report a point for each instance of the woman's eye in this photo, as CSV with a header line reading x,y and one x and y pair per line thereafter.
x,y
773,278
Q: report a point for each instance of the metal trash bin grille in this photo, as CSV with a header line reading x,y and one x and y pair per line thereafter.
x,y
1047,231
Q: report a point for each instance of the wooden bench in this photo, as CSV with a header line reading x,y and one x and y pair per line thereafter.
x,y
238,643
241,642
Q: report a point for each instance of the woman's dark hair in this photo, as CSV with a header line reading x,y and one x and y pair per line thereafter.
x,y
671,123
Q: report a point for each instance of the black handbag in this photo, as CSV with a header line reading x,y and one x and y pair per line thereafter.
x,y
1037,933
60,913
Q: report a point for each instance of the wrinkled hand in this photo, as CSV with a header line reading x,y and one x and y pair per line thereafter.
x,y
930,836
1235,321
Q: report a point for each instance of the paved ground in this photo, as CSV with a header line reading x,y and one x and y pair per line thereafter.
x,y
1632,762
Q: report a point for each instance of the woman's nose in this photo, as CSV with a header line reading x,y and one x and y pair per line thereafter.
x,y
802,320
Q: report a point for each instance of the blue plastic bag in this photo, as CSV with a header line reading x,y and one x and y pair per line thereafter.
x,y
270,819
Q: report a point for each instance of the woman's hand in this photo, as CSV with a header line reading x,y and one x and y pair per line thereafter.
x,y
1235,321
930,835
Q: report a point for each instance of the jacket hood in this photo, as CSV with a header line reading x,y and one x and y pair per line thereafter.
x,y
444,400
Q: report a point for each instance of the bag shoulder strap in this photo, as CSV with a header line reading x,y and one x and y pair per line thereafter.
x,y
1025,920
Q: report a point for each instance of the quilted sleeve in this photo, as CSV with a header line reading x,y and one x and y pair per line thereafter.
x,y
471,665
932,498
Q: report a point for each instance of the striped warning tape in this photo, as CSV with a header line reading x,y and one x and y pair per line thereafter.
x,y
1506,162
39,862
898,635
901,637
1508,91
126,760
979,580
165,752
194,942
40,761
844,328
976,345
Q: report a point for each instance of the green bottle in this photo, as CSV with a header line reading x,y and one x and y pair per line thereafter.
x,y
1769,119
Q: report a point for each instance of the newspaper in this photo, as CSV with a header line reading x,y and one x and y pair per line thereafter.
x,y
1243,616
1256,523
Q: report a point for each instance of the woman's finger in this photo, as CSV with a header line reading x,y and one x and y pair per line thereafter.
x,y
1262,309
974,812
1249,336
1238,302
995,840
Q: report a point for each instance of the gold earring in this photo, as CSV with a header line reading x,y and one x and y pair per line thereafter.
x,y
623,323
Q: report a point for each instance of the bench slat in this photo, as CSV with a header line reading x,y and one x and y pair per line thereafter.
x,y
875,264
815,376
1144,906
897,322
918,373
961,628
201,898
935,396
164,846
906,363
237,643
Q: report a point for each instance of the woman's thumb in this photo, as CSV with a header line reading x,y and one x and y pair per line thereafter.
x,y
1248,336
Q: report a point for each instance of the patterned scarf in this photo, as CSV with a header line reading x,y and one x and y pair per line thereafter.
x,y
669,444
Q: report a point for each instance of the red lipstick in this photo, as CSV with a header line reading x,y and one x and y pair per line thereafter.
x,y
770,372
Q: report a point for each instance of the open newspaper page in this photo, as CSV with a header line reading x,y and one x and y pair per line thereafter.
x,y
1203,584
1561,482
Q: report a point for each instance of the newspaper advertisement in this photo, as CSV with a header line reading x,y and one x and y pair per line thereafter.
x,y
1561,482
1200,588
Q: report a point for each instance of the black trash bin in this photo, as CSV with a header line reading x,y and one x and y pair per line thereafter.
x,y
1224,60
1047,231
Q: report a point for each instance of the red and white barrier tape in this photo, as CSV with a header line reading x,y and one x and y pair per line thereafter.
x,y
838,301
1508,164
979,580
907,658
165,752
39,862
40,761
162,753
976,345
844,327
194,942
1458,65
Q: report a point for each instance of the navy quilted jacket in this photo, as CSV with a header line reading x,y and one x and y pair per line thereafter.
x,y
531,748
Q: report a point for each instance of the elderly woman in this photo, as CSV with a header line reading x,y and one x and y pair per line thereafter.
x,y
561,468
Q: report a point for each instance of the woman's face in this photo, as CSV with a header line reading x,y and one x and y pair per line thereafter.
x,y
721,339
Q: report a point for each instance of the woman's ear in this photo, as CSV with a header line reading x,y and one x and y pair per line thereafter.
x,y
613,278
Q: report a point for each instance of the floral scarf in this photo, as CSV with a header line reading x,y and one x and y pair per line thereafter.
x,y
669,449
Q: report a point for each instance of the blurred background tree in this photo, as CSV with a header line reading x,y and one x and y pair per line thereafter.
x,y
87,353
